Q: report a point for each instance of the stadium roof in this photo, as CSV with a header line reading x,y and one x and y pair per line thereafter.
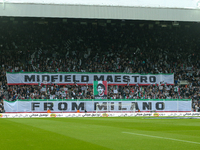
x,y
171,10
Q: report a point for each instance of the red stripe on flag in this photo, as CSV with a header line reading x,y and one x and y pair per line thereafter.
x,y
106,87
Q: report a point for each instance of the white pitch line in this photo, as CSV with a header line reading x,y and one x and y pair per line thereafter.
x,y
161,137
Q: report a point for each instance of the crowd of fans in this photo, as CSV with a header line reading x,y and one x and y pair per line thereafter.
x,y
75,47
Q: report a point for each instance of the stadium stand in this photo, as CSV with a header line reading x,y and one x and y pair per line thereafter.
x,y
123,46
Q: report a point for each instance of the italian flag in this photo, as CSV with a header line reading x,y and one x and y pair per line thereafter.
x,y
100,82
48,91
176,89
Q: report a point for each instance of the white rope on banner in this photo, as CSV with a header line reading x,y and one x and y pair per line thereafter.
x,y
62,104
177,105
17,105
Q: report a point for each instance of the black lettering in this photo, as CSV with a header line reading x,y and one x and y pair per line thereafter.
x,y
38,78
143,78
30,79
74,79
147,105
160,105
53,78
96,78
45,78
135,78
61,104
109,79
48,105
134,104
68,78
81,106
98,106
117,78
84,78
126,79
152,79
112,106
120,106
61,78
35,105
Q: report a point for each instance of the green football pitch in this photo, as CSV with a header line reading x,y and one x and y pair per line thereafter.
x,y
120,133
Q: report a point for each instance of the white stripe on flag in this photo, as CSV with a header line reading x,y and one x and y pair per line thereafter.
x,y
100,82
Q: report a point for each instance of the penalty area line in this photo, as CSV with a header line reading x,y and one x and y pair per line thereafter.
x,y
159,137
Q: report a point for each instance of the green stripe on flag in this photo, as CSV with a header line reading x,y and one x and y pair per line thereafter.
x,y
95,87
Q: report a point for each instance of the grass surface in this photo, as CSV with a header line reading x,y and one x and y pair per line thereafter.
x,y
122,133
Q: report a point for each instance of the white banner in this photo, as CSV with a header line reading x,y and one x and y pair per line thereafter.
x,y
88,78
100,106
